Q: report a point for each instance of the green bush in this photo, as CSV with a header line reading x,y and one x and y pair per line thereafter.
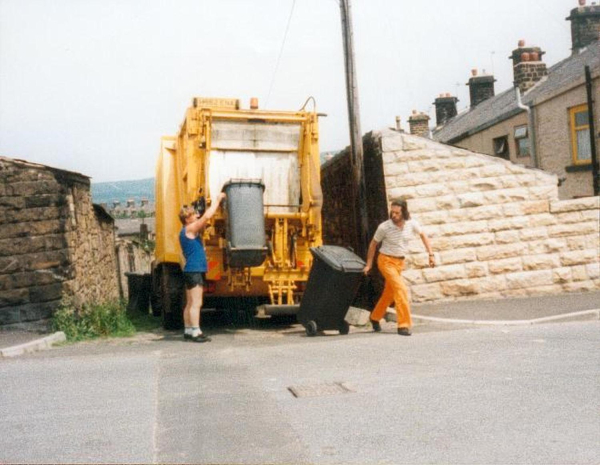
x,y
92,321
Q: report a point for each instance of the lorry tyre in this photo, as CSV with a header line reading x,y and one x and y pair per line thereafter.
x,y
171,279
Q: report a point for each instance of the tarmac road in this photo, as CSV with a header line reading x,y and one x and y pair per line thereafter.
x,y
448,394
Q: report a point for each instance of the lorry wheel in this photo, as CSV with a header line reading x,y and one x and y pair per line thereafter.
x,y
171,296
311,328
344,328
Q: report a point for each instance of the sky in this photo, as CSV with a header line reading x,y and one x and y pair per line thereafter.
x,y
91,85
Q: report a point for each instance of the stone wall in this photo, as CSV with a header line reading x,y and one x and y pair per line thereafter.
x,y
497,229
53,242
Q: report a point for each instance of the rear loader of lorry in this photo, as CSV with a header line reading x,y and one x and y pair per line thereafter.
x,y
257,245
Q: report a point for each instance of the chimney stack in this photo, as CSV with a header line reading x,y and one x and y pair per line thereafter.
x,y
481,87
445,108
419,124
528,67
585,25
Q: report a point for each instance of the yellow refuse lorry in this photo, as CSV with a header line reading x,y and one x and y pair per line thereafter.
x,y
268,164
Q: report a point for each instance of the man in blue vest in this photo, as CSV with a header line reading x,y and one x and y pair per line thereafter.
x,y
195,266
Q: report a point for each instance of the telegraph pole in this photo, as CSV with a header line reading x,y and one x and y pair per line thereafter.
x,y
356,146
594,154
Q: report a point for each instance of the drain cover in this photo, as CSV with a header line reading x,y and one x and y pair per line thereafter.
x,y
317,390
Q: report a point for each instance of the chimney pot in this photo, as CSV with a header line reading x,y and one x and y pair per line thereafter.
x,y
473,72
581,2
521,43
254,103
528,67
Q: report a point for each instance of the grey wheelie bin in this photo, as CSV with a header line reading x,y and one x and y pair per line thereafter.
x,y
246,238
332,284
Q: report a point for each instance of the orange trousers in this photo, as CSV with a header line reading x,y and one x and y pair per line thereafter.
x,y
394,291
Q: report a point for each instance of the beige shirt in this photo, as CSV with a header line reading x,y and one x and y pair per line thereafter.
x,y
394,240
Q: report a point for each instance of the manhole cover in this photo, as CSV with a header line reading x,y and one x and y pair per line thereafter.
x,y
317,390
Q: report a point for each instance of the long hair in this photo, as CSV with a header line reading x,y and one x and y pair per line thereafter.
x,y
404,206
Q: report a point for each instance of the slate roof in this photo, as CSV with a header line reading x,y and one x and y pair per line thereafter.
x,y
131,226
561,76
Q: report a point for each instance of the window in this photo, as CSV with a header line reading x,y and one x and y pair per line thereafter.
x,y
522,141
501,147
580,135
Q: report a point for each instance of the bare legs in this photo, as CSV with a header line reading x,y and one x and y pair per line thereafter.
x,y
191,312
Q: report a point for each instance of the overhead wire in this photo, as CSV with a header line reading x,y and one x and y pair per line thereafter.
x,y
287,28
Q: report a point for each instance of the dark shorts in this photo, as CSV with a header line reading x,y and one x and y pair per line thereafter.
x,y
192,280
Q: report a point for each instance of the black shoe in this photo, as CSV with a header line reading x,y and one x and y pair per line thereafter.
x,y
404,332
376,326
187,336
200,338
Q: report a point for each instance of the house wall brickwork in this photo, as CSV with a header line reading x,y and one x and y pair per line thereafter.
x,y
53,242
483,141
554,138
498,229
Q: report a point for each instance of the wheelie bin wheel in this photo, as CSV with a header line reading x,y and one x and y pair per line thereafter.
x,y
344,328
311,328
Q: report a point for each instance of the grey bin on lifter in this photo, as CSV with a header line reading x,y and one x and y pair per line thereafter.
x,y
245,224
333,281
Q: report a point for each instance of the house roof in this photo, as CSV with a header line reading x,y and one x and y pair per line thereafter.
x,y
131,226
562,76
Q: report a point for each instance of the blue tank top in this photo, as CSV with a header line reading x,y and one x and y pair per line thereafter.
x,y
193,251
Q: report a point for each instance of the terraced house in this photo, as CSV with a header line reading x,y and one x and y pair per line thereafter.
x,y
544,120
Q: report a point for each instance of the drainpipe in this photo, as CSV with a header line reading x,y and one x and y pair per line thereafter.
x,y
530,126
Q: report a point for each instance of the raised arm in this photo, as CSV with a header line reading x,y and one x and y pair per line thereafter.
x,y
195,227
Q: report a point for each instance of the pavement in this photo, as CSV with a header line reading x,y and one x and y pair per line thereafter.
x,y
508,312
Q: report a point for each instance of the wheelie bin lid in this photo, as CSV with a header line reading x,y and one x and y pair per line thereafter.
x,y
339,258
236,182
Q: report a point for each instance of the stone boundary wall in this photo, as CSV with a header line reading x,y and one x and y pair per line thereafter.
x,y
497,228
53,242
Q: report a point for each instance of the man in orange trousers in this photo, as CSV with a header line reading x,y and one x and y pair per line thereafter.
x,y
393,236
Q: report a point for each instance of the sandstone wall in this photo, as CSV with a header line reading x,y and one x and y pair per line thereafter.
x,y
498,229
52,242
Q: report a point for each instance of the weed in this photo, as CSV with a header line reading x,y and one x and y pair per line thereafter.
x,y
92,321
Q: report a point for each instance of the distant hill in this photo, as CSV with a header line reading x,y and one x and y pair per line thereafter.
x,y
107,192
